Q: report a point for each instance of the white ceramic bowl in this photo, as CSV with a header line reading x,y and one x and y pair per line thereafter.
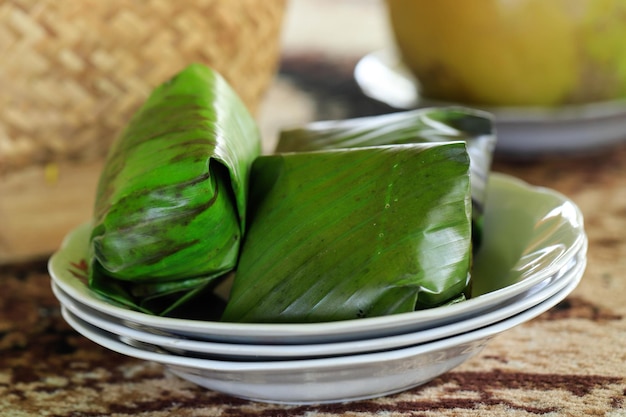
x,y
246,352
530,234
335,379
522,131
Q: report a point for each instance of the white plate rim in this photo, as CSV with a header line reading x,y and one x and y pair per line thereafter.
x,y
523,302
317,364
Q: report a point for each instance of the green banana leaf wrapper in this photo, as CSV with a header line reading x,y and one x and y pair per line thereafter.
x,y
356,232
171,204
437,124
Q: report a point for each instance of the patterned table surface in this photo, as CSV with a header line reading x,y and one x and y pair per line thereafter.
x,y
570,361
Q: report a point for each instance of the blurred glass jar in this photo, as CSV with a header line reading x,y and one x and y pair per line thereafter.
x,y
514,52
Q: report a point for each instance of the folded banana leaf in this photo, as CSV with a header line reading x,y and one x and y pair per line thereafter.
x,y
349,233
441,124
171,203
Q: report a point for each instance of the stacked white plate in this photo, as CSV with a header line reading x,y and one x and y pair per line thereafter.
x,y
532,256
523,131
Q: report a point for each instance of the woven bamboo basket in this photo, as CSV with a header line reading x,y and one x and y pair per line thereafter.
x,y
73,72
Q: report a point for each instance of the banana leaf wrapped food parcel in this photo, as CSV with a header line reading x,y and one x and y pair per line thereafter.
x,y
171,203
185,199
352,233
474,127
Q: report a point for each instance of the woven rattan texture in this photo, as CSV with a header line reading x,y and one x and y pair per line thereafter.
x,y
72,72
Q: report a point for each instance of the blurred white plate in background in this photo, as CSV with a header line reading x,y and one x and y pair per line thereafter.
x,y
522,131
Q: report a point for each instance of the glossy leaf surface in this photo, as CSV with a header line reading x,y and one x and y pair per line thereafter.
x,y
171,203
442,124
350,233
